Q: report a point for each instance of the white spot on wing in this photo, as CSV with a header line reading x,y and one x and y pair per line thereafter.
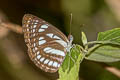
x,y
63,43
27,29
42,42
56,37
47,48
27,25
50,35
42,65
38,57
41,60
35,23
38,52
36,48
34,44
34,26
34,39
36,20
44,26
50,63
38,62
41,38
28,21
58,52
41,30
33,30
54,51
53,36
46,61
47,68
55,64
28,39
33,34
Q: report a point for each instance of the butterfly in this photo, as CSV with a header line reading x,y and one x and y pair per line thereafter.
x,y
47,45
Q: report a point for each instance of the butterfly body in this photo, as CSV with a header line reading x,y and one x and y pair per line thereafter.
x,y
47,46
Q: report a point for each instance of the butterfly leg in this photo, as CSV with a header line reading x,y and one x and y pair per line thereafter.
x,y
71,57
75,49
80,51
74,46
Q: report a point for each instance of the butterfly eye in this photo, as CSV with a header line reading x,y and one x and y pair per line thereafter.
x,y
70,38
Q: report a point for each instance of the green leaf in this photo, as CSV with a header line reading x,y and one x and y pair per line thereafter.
x,y
84,38
105,53
110,35
70,69
109,49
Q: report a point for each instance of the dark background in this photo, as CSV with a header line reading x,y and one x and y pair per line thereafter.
x,y
90,16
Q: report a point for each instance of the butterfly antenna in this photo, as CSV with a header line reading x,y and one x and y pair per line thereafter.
x,y
70,22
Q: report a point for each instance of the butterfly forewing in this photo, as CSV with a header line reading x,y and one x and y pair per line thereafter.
x,y
46,44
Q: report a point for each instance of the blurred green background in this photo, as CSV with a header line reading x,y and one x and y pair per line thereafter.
x,y
90,16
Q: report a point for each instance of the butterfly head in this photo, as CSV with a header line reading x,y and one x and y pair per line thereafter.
x,y
70,38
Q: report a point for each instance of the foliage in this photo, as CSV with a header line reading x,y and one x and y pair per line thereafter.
x,y
70,67
105,49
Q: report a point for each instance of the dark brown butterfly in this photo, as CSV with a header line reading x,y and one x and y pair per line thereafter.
x,y
47,46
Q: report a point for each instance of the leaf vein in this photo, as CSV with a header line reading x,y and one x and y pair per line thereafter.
x,y
109,35
114,38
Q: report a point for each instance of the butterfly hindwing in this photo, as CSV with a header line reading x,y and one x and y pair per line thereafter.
x,y
46,44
